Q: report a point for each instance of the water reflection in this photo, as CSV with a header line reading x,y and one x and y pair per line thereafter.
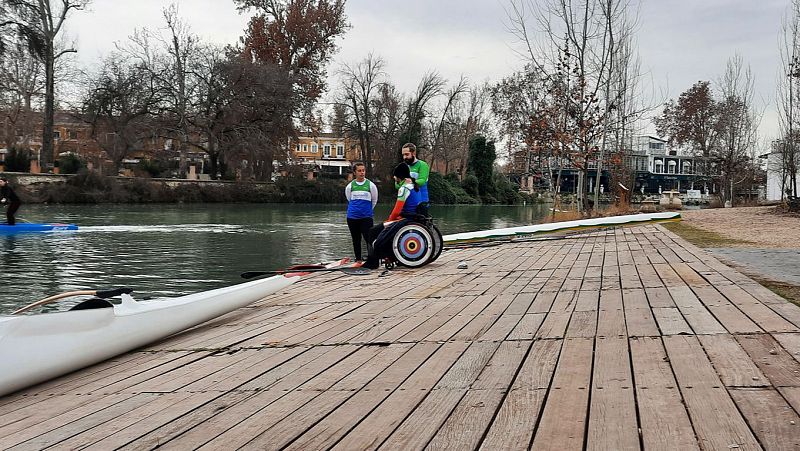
x,y
169,250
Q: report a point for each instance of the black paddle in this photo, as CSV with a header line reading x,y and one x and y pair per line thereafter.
x,y
348,271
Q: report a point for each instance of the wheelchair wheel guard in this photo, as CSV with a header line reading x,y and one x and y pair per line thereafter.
x,y
413,245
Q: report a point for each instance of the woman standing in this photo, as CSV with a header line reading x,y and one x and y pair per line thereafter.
x,y
10,198
362,195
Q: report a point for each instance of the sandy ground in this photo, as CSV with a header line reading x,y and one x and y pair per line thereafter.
x,y
762,227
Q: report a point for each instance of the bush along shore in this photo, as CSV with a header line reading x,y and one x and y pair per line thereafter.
x,y
89,187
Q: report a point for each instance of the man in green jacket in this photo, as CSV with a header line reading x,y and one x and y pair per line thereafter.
x,y
420,171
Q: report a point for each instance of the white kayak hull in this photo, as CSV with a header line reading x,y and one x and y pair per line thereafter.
x,y
560,226
36,348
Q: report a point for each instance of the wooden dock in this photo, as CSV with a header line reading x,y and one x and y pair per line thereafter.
x,y
621,339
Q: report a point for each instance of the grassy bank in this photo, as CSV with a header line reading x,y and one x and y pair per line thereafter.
x,y
700,237
89,187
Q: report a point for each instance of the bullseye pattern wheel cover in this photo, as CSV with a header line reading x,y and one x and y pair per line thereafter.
x,y
412,245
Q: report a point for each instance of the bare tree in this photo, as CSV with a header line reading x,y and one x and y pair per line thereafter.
x,y
738,127
360,86
437,129
570,42
788,103
388,109
119,104
21,84
46,21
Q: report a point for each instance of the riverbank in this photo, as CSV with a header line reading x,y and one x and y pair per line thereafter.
x,y
763,242
93,188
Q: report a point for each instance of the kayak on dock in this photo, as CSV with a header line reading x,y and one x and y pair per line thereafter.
x,y
550,227
39,347
26,227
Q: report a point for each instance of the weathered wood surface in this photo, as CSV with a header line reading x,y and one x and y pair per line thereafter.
x,y
619,339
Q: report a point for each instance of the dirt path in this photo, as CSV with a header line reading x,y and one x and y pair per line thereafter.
x,y
757,227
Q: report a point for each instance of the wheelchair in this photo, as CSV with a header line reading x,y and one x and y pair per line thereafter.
x,y
416,242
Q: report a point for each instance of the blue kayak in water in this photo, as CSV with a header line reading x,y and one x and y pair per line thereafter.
x,y
25,227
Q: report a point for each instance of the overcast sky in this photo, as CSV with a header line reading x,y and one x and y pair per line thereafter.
x,y
680,41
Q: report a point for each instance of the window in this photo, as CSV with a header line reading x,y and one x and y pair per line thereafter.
x,y
313,148
305,147
340,150
658,166
297,147
656,146
72,134
326,151
56,135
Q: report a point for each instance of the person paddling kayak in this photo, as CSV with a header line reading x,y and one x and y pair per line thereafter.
x,y
10,198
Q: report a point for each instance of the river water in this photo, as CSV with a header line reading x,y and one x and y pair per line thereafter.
x,y
170,250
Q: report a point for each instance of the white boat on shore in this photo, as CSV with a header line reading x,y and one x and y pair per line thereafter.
x,y
610,221
36,348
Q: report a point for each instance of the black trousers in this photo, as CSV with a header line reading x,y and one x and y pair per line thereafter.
x,y
359,228
10,211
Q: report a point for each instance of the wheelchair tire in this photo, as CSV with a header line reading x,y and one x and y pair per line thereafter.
x,y
413,245
438,242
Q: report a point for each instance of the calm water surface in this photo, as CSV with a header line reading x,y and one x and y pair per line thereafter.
x,y
169,250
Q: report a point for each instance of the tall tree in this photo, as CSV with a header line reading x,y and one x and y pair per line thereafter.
x,y
298,36
360,86
691,120
21,88
738,127
570,41
46,20
787,163
482,155
119,104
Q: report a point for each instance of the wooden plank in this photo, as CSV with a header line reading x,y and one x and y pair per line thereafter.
x,y
734,366
421,425
293,425
472,416
582,325
250,427
757,311
611,317
542,302
563,421
612,413
664,421
554,325
790,342
671,322
514,424
695,313
668,275
780,368
527,327
702,390
772,419
47,434
374,429
689,275
119,430
326,432
659,297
